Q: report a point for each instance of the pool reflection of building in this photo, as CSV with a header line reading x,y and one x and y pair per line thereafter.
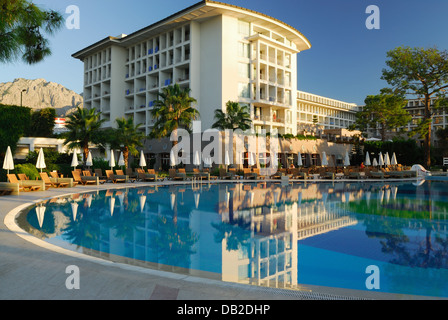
x,y
278,217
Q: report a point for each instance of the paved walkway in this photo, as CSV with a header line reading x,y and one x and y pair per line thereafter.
x,y
30,271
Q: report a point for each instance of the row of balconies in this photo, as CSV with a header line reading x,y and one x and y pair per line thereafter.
x,y
269,119
98,60
163,42
97,75
273,60
169,63
154,85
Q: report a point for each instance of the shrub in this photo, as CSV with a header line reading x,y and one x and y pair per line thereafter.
x,y
29,169
100,163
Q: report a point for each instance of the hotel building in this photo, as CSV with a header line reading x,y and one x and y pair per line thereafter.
x,y
220,52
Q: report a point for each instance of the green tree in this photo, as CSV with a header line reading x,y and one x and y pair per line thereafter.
x,y
84,127
23,29
14,121
442,136
235,117
42,123
422,73
172,111
384,112
127,137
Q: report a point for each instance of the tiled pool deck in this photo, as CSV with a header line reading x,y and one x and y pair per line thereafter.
x,y
29,271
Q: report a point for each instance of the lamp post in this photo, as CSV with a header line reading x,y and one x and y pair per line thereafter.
x,y
21,92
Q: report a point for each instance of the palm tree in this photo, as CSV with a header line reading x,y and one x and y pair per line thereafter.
x,y
235,117
128,137
83,127
173,111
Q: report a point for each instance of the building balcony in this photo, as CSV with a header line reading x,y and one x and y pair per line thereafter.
x,y
271,101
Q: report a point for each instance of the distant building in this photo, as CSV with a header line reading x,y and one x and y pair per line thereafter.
x,y
316,113
59,125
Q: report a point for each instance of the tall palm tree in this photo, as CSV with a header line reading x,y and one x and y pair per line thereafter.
x,y
128,137
235,117
172,111
83,127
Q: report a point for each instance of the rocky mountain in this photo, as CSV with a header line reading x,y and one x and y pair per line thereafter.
x,y
40,94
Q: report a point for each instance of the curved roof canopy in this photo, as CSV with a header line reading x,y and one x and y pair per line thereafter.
x,y
197,12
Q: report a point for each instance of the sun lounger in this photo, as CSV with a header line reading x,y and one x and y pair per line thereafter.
x,y
224,175
7,189
143,176
298,174
403,174
99,174
173,175
22,177
131,174
84,180
182,173
114,178
202,174
25,185
276,175
257,172
88,173
152,172
121,174
248,174
52,183
54,174
378,175
356,175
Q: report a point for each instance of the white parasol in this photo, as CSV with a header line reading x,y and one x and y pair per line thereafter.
x,y
8,162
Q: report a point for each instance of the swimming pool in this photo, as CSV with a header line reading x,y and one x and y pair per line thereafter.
x,y
265,234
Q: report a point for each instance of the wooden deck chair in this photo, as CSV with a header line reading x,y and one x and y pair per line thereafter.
x,y
119,174
224,175
13,179
173,175
88,173
82,180
248,174
130,173
22,177
152,172
99,174
49,183
114,178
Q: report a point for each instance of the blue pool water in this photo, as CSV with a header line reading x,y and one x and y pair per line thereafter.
x,y
265,234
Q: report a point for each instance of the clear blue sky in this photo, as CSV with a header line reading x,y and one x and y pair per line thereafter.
x,y
344,63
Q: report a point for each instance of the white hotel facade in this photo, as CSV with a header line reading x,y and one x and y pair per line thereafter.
x,y
222,53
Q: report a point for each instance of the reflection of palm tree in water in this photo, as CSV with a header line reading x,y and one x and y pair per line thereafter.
x,y
235,231
174,241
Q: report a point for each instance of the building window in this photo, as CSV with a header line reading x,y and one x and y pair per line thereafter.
x,y
243,70
288,117
243,50
243,90
244,28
